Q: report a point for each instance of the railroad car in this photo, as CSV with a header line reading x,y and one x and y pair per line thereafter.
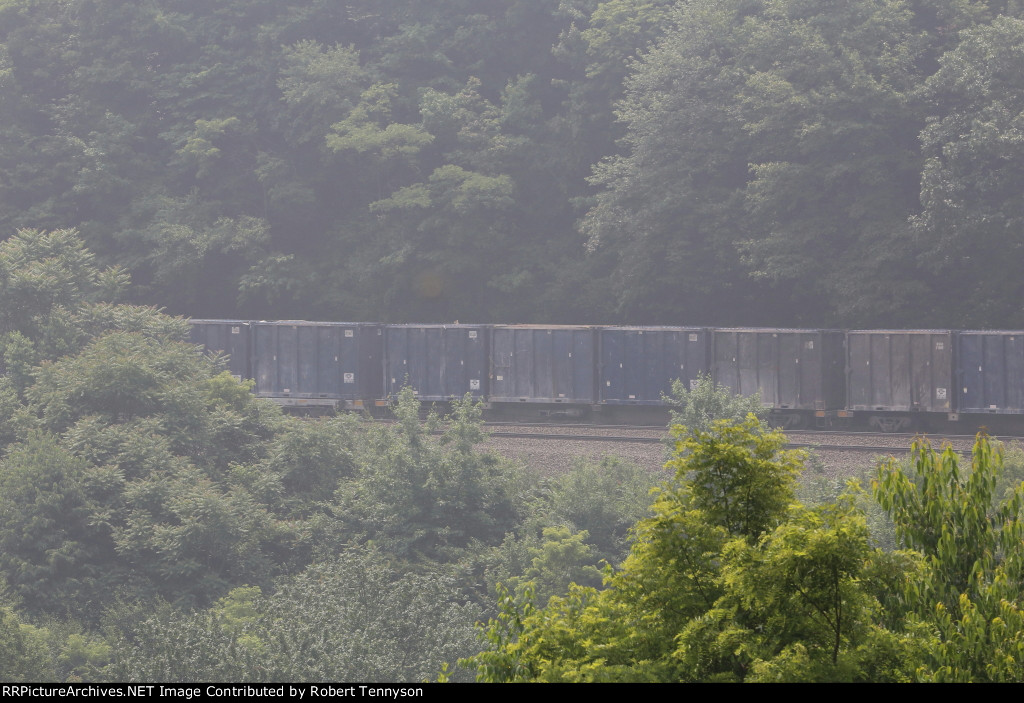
x,y
888,379
895,375
543,364
639,364
228,337
439,362
990,372
799,374
299,363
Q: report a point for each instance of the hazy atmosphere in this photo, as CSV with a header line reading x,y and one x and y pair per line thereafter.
x,y
580,162
167,515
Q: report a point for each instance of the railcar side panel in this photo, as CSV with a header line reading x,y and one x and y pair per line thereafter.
x,y
440,362
901,370
543,364
639,364
231,337
991,371
791,369
317,362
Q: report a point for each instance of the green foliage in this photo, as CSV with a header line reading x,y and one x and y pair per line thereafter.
x,y
953,517
316,83
430,160
728,580
225,390
699,407
350,619
355,619
563,558
793,608
190,538
14,417
415,497
303,466
24,656
739,477
725,573
604,499
748,131
971,173
20,358
972,542
166,644
119,377
1012,474
42,273
126,487
818,487
52,555
368,130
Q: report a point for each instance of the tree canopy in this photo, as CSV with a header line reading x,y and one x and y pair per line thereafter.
x,y
731,580
777,162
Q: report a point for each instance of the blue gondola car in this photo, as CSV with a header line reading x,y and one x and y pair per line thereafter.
x,y
543,364
639,364
440,362
230,337
990,375
318,363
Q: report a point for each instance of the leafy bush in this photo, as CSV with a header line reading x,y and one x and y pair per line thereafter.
x,y
699,408
417,496
353,618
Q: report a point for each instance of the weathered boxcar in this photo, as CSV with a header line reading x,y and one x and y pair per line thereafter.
x,y
440,362
230,337
990,377
799,374
894,374
543,364
318,363
639,364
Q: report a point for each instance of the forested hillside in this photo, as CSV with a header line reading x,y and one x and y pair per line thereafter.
x,y
158,522
706,162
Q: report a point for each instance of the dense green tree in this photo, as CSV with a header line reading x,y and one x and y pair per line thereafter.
x,y
795,607
24,656
698,408
785,131
604,498
428,160
672,575
126,488
790,594
417,497
560,559
53,556
728,580
972,541
968,229
229,152
350,619
14,418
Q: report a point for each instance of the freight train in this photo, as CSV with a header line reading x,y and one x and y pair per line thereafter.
x,y
885,379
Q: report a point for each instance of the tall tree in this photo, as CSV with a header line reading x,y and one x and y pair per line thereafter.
x,y
971,218
727,580
972,542
781,131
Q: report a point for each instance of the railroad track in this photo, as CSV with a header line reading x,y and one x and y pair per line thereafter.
x,y
631,439
895,436
838,449
820,440
553,447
